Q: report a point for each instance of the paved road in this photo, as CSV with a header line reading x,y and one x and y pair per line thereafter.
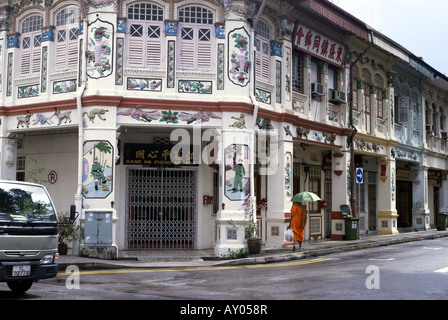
x,y
415,270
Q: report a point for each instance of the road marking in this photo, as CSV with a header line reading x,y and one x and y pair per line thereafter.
x,y
432,248
382,259
443,270
257,266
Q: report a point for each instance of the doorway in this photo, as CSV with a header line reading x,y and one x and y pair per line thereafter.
x,y
161,208
404,204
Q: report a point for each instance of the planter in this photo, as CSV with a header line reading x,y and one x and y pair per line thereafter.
x,y
62,249
254,245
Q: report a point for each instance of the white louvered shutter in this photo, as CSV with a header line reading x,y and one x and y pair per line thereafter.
x,y
153,47
204,51
36,58
25,63
136,45
72,61
61,48
187,48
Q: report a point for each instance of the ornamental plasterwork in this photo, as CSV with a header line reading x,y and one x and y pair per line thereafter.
x,y
363,145
176,6
101,4
406,155
163,4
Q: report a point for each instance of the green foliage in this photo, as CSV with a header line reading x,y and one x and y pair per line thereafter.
x,y
68,232
237,254
34,172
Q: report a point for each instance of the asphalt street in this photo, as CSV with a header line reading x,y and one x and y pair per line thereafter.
x,y
414,270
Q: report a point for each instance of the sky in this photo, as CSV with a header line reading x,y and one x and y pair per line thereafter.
x,y
420,26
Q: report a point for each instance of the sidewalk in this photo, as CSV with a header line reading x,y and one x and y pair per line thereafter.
x,y
206,258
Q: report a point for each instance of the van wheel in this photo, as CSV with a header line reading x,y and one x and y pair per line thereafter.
x,y
20,286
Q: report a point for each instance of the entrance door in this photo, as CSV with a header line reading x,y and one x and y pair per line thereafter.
x,y
372,205
161,208
328,195
404,204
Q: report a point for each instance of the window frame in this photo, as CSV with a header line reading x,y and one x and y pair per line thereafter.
x,y
31,35
263,57
152,52
297,71
66,51
189,58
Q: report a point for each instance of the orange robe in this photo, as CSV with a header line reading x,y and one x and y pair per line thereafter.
x,y
296,222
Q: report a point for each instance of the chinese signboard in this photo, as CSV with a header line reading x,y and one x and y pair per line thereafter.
x,y
156,155
318,45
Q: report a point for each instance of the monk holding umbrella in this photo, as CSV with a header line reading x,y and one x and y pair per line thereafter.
x,y
298,218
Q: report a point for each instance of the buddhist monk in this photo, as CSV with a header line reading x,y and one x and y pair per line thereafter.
x,y
297,224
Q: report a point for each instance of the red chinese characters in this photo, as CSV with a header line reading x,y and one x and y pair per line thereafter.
x,y
318,45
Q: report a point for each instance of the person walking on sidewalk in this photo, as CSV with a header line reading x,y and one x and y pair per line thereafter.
x,y
297,223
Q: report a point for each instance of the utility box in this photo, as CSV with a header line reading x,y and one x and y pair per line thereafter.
x,y
98,228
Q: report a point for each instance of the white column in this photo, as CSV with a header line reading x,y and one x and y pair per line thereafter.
x,y
234,190
279,190
339,196
420,208
387,212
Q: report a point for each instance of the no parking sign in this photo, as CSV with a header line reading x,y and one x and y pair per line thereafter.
x,y
52,177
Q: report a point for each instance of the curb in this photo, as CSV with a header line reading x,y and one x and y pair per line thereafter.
x,y
325,251
281,257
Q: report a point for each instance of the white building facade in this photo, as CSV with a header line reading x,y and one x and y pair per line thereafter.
x,y
161,119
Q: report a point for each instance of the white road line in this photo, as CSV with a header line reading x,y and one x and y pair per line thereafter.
x,y
382,259
432,248
443,270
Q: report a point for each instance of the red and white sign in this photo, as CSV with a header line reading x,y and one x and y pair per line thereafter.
x,y
52,177
318,45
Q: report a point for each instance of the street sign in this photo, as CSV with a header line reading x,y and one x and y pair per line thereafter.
x,y
359,175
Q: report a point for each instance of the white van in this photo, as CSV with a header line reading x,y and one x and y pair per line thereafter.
x,y
28,234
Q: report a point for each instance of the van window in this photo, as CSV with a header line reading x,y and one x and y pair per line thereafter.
x,y
25,203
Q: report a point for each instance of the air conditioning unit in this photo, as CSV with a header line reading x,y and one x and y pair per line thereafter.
x,y
444,134
317,89
338,97
429,128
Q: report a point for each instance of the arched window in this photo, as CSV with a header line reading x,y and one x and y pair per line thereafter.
x,y
442,119
145,40
379,82
367,79
196,26
66,38
263,55
434,117
354,91
31,36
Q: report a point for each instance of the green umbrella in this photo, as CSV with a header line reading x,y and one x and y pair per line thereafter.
x,y
305,197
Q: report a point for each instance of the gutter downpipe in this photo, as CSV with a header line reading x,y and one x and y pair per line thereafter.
x,y
252,54
78,196
352,136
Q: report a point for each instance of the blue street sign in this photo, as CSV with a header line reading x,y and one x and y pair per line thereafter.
x,y
359,175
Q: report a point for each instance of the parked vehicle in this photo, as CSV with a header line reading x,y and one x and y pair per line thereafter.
x,y
28,234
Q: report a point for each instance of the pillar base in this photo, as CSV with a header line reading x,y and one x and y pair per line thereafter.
x,y
224,249
337,226
387,222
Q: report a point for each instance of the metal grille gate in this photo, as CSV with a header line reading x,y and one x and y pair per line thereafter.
x,y
161,208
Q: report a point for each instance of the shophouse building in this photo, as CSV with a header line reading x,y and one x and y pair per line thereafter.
x,y
161,120
434,165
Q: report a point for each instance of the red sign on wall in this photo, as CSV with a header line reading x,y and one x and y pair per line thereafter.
x,y
318,45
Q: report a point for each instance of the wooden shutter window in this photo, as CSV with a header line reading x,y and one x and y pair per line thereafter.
x,y
135,56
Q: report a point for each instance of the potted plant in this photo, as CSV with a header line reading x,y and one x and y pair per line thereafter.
x,y
68,232
250,226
